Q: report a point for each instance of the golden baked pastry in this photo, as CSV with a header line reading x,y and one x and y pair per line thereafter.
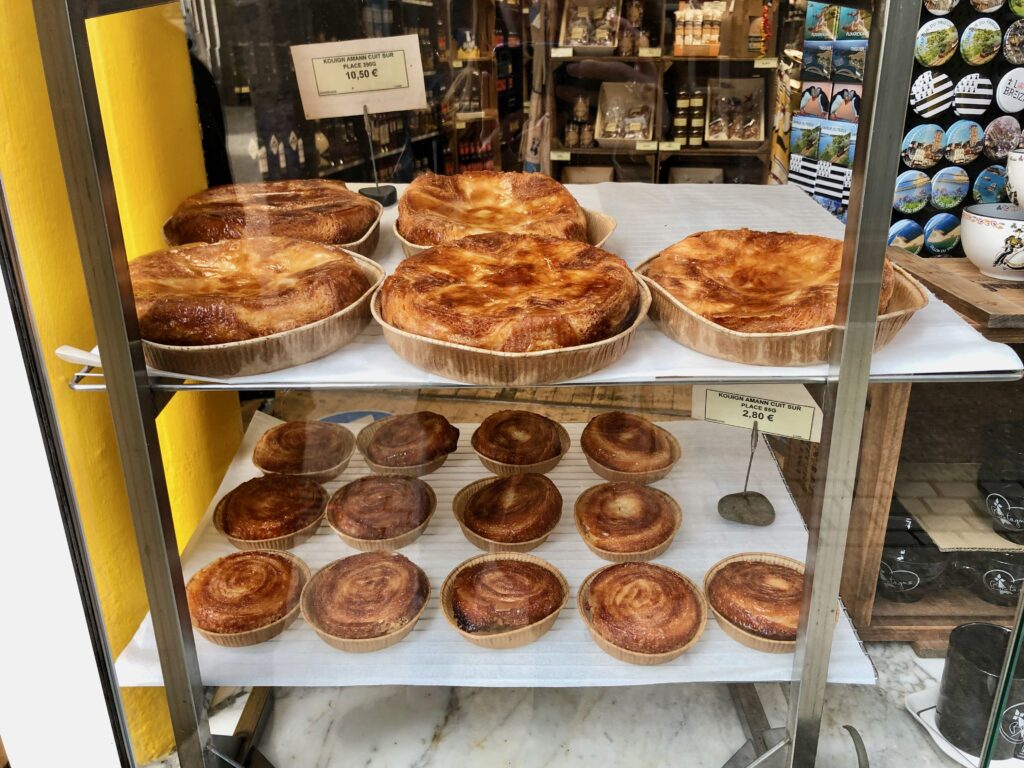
x,y
501,595
517,437
308,209
298,447
625,517
643,607
241,289
514,509
626,442
380,506
411,439
762,598
270,507
437,209
512,293
367,595
244,591
757,282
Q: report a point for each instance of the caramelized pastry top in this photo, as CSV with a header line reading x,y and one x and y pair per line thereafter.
x,y
367,595
501,595
244,591
318,210
762,598
626,442
380,506
241,289
625,517
517,437
411,439
512,293
436,209
643,607
514,509
296,447
757,282
270,506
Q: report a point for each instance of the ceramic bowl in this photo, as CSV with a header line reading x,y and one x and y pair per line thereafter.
x,y
993,239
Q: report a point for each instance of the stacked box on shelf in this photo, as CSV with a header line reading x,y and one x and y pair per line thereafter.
x,y
823,135
960,124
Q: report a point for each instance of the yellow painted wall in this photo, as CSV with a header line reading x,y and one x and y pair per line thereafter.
x,y
152,129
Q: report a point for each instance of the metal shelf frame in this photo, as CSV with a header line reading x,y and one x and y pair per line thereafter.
x,y
135,399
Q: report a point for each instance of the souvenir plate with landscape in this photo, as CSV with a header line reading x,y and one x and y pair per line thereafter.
x,y
987,6
940,7
981,41
907,234
936,42
949,187
1001,136
990,186
964,142
942,233
923,146
913,189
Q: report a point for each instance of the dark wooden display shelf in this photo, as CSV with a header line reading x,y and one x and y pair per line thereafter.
x,y
994,307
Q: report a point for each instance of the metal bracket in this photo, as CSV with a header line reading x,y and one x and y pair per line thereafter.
x,y
239,750
764,743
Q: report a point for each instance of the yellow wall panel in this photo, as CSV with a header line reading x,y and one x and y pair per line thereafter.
x,y
152,129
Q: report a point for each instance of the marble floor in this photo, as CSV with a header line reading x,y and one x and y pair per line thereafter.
x,y
695,726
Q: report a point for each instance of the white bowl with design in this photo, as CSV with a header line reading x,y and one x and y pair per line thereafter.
x,y
992,236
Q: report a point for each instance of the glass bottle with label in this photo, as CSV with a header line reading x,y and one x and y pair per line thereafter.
x,y
697,95
681,115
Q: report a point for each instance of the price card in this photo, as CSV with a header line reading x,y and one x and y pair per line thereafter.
x,y
670,146
561,53
766,63
646,145
557,154
649,52
337,79
786,410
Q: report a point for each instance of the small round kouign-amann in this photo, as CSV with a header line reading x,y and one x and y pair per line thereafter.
x,y
502,595
517,437
626,442
762,598
411,439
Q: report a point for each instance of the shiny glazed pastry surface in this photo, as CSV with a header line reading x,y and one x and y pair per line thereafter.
x,y
411,439
762,598
757,282
643,608
301,446
318,210
517,437
626,442
243,591
436,209
625,517
512,293
502,595
379,506
514,509
241,289
271,506
367,595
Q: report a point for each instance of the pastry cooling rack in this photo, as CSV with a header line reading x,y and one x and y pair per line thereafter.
x,y
713,464
936,343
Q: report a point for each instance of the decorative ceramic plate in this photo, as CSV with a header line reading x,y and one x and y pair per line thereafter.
x,y
965,141
923,146
936,42
942,233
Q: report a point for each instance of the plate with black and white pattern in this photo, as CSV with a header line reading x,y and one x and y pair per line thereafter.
x,y
931,94
972,95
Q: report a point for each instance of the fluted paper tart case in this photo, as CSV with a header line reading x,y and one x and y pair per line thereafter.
x,y
459,504
323,475
276,351
393,543
502,469
290,541
740,635
268,632
413,470
362,644
513,638
641,556
474,365
635,657
643,478
600,227
686,327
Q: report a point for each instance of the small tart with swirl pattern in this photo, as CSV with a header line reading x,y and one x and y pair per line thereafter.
x,y
514,509
304,448
245,591
626,518
625,442
410,439
499,594
269,507
643,608
365,596
762,598
517,437
380,507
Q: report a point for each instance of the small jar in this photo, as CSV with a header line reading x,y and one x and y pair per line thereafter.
x,y
587,135
572,135
581,108
626,40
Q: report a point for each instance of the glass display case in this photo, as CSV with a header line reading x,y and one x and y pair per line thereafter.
x,y
544,487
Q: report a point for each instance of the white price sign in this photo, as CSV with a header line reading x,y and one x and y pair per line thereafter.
x,y
337,79
786,410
